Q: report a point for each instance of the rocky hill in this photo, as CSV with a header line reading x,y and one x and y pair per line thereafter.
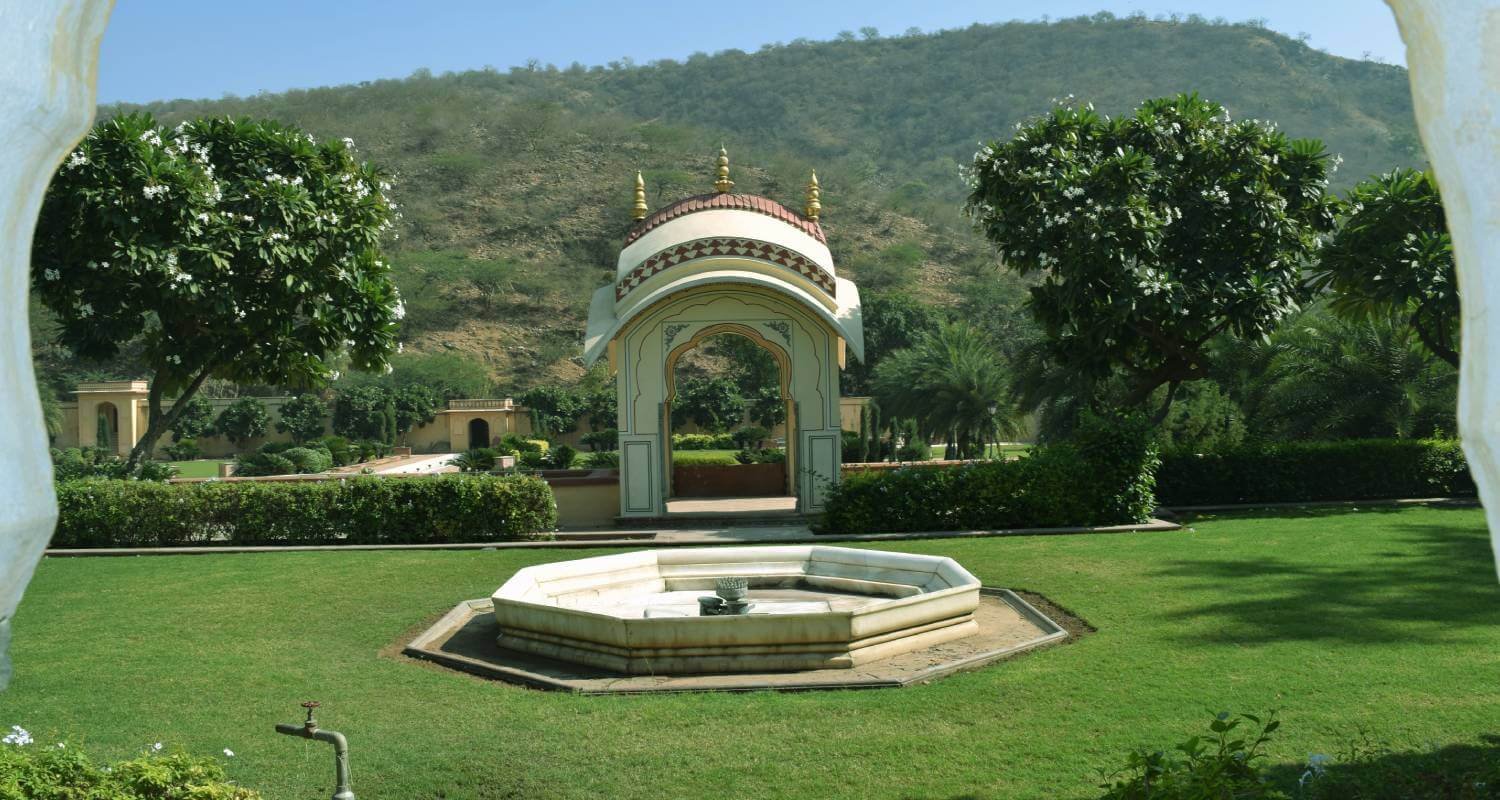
x,y
516,186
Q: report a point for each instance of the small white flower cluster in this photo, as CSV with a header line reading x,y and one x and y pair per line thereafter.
x,y
1150,281
76,160
18,736
1073,192
50,274
278,236
400,309
1216,194
86,310
156,190
349,143
152,138
274,178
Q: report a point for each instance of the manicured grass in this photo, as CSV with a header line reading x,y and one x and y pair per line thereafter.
x,y
1387,620
1013,450
703,457
199,468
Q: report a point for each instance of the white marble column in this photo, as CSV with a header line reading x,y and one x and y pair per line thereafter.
x,y
49,57
1453,54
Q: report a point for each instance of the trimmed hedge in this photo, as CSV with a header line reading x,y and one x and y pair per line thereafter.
x,y
456,508
1358,469
1103,478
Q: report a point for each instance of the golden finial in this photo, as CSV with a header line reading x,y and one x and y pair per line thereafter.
x,y
638,211
813,207
722,184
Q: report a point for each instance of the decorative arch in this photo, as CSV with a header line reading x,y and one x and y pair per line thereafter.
x,y
479,433
784,367
107,426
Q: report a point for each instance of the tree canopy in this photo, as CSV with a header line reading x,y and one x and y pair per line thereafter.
x,y
232,248
1392,255
1152,233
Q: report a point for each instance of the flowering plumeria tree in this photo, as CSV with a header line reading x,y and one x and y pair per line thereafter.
x,y
1393,254
1152,233
234,248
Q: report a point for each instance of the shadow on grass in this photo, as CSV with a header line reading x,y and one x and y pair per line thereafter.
x,y
1454,772
1443,574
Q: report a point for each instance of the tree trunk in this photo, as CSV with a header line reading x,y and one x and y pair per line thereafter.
x,y
159,423
1436,341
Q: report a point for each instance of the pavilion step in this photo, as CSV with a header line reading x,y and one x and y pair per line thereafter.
x,y
714,519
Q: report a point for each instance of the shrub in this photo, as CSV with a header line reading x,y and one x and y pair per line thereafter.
x,y
1224,765
607,439
914,451
52,772
1358,469
561,457
309,460
263,462
185,449
99,462
750,437
303,417
363,510
339,450
243,420
1103,479
703,441
603,459
854,447
765,456
692,458
480,459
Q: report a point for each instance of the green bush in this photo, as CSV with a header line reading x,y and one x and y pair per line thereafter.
x,y
561,457
854,447
703,441
750,437
603,459
35,772
1357,469
309,460
763,456
261,463
339,450
1224,765
1104,477
74,463
365,510
480,459
598,441
185,449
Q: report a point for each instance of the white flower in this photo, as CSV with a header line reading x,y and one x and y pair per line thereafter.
x,y
18,736
203,216
76,160
349,143
175,359
155,190
400,309
86,310
334,375
152,138
50,274
156,747
228,753
135,219
400,347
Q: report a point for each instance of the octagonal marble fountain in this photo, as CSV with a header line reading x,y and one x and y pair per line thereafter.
x,y
805,608
736,619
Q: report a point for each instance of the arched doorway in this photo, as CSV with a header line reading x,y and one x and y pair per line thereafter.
x,y
107,427
762,479
479,433
716,263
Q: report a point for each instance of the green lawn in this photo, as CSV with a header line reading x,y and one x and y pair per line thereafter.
x,y
1013,450
199,468
1387,620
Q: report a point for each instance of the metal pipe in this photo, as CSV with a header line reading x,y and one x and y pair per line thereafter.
x,y
310,730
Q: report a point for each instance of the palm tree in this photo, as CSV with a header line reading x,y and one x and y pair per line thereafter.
x,y
1333,378
953,382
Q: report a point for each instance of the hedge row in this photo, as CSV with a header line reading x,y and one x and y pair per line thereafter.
x,y
458,508
1365,469
1104,477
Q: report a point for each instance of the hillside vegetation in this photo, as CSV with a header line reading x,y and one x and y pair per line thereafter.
x,y
515,186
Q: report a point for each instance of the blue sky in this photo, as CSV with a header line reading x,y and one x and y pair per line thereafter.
x,y
164,49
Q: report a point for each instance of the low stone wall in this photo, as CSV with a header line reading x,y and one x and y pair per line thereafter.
x,y
586,498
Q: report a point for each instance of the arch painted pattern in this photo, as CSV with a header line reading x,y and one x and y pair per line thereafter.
x,y
726,246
